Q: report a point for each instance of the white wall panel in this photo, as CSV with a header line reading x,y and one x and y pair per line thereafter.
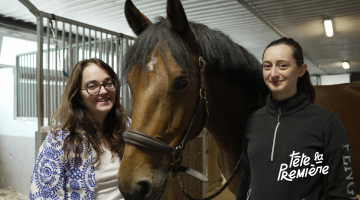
x,y
334,79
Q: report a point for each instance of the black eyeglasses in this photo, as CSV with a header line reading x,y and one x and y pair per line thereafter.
x,y
94,87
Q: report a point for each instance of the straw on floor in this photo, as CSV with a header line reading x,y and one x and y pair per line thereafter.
x,y
6,193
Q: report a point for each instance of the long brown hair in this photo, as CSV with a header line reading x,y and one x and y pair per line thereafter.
x,y
72,116
304,82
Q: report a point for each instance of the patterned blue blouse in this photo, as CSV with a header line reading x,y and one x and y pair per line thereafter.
x,y
53,178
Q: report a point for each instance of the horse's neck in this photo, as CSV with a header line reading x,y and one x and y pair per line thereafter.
x,y
229,107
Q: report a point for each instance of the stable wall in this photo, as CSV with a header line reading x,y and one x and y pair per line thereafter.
x,y
334,79
17,138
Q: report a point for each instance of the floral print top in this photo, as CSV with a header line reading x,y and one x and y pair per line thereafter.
x,y
53,178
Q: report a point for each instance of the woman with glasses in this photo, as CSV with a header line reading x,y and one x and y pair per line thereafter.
x,y
80,157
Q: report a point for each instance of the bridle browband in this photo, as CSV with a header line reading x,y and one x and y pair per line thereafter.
x,y
142,140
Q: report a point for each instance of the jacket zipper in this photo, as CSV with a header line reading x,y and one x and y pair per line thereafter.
x,y
273,145
248,194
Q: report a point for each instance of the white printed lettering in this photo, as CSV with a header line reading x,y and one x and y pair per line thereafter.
x,y
282,169
292,174
312,171
349,177
292,159
306,160
346,146
346,157
303,160
325,169
347,188
300,174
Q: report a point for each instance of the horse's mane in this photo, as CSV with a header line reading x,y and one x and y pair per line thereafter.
x,y
225,57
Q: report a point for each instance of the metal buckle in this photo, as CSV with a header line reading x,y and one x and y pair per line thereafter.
x,y
202,62
176,163
206,102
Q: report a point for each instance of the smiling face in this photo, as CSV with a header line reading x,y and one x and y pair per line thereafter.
x,y
281,72
97,105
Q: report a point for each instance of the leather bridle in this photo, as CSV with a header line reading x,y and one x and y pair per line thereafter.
x,y
142,140
156,145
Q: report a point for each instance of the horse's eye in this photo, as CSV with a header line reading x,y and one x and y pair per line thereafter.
x,y
181,83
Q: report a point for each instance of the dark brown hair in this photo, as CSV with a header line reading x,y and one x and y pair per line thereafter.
x,y
72,116
304,82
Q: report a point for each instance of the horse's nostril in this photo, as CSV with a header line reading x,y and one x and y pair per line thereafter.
x,y
143,189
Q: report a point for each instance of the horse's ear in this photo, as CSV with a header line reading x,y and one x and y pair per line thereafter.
x,y
137,21
177,17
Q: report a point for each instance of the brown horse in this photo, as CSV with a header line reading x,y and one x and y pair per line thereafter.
x,y
161,68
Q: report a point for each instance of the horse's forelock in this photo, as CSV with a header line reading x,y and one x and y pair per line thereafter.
x,y
161,34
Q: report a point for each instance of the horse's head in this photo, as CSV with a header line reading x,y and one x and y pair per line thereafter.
x,y
161,68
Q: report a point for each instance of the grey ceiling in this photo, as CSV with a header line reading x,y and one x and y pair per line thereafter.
x,y
243,21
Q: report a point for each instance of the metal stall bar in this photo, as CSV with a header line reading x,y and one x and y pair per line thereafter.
x,y
56,65
117,56
48,73
63,54
83,44
33,88
16,85
89,43
106,48
71,55
77,45
95,49
101,46
26,65
52,80
21,89
40,72
121,41
124,87
32,98
29,99
27,85
112,53
129,102
22,80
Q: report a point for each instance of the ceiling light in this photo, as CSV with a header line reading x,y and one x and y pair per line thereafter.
x,y
345,64
328,27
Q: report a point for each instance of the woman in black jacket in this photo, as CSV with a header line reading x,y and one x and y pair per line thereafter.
x,y
291,144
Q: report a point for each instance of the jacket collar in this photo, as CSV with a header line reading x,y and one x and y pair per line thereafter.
x,y
288,106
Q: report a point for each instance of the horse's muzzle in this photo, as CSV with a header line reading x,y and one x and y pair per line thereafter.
x,y
141,190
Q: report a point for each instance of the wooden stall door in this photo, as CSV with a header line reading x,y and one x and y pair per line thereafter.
x,y
201,159
193,157
212,167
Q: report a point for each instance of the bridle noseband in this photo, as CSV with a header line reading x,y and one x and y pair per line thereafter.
x,y
156,145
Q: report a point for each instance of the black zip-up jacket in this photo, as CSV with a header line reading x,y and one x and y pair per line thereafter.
x,y
289,146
